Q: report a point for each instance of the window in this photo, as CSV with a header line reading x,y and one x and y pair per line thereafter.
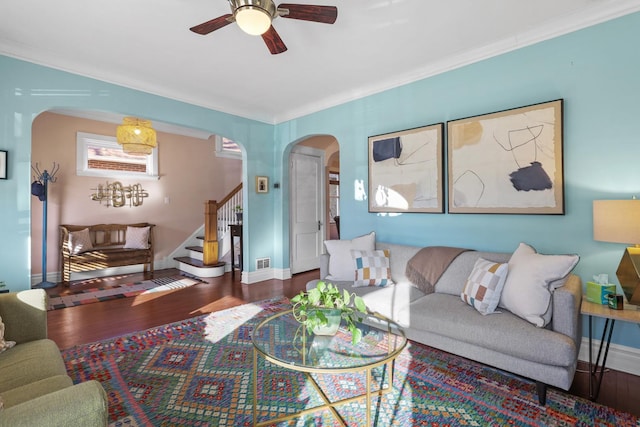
x,y
225,147
99,155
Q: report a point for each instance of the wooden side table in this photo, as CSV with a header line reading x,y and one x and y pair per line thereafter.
x,y
596,370
236,231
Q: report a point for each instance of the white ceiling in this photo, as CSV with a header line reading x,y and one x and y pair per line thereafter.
x,y
374,45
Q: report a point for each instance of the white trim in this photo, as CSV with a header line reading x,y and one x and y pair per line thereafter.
x,y
83,139
621,358
108,117
563,25
601,12
221,152
265,274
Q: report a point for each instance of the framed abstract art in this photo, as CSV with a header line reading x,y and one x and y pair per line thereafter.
x,y
507,162
405,171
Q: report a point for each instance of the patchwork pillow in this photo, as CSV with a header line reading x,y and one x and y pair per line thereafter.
x,y
341,264
484,285
137,238
532,279
80,241
4,345
372,268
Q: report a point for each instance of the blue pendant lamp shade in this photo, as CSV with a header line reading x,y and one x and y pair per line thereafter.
x,y
136,136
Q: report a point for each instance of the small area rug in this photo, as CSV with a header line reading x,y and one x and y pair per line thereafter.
x,y
198,373
106,293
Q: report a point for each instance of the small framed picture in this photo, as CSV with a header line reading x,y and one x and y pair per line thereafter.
x,y
262,184
3,164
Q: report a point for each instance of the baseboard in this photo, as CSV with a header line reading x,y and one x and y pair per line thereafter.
x,y
56,276
620,358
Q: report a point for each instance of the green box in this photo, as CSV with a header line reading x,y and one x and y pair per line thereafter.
x,y
598,293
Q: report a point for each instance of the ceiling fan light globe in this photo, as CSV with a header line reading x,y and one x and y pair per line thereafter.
x,y
253,20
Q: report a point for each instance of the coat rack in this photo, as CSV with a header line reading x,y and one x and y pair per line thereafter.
x,y
40,188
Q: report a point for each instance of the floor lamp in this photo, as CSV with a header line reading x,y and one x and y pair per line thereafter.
x,y
40,188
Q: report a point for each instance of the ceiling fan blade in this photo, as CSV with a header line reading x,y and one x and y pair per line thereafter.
x,y
309,12
215,24
273,41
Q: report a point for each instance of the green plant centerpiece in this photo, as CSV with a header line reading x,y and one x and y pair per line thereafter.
x,y
315,309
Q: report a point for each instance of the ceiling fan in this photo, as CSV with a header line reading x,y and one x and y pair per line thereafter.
x,y
255,16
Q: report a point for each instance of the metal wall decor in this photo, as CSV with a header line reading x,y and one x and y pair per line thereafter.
x,y
117,195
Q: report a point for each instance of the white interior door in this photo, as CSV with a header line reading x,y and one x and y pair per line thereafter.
x,y
307,226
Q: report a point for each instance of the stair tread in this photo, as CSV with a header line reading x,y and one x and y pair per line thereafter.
x,y
197,263
194,248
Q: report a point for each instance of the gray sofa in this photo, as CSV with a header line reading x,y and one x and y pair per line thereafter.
x,y
503,340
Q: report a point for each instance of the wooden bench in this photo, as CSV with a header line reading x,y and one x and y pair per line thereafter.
x,y
108,241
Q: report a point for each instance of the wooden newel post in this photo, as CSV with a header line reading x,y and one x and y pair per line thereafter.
x,y
210,249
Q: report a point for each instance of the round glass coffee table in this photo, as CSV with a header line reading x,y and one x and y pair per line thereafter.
x,y
281,340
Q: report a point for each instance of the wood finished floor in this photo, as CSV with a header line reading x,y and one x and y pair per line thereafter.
x,y
95,322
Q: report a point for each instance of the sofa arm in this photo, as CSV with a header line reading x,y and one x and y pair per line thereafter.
x,y
84,404
566,309
24,315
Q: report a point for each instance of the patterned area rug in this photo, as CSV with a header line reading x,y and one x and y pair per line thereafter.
x,y
92,295
198,373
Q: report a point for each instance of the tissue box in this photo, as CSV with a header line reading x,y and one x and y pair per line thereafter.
x,y
598,293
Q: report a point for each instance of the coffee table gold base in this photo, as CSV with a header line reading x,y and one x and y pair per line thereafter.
x,y
328,404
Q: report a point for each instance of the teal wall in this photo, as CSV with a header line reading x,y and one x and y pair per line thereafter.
x,y
594,70
26,90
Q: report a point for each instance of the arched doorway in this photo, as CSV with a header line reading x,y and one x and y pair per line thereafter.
x,y
310,214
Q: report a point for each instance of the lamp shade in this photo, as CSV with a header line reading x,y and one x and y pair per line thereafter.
x,y
136,136
253,20
616,221
619,221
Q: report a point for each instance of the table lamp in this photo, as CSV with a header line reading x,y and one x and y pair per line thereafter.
x,y
619,221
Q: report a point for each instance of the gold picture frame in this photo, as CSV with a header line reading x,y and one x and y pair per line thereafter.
x,y
262,184
507,162
405,170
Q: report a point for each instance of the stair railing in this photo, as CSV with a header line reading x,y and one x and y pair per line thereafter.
x,y
218,216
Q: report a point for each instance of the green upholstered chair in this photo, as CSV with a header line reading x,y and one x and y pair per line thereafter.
x,y
34,386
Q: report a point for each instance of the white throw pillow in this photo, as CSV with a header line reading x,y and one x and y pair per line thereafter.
x,y
531,281
137,238
372,268
341,264
80,241
484,285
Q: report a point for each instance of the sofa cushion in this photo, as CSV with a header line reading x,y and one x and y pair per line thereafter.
x,y
29,362
136,238
484,285
398,257
453,280
341,265
80,241
24,393
390,301
531,280
504,332
372,268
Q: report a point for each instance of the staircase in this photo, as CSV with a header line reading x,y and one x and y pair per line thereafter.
x,y
204,257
